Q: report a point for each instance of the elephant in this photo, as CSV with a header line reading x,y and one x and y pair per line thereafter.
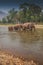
x,y
18,27
25,26
22,27
10,28
32,26
28,26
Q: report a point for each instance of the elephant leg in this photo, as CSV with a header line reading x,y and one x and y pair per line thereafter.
x,y
15,29
32,29
9,28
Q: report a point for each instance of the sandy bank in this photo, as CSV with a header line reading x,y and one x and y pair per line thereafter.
x,y
8,59
7,25
37,26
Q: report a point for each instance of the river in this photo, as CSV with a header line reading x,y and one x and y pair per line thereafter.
x,y
26,44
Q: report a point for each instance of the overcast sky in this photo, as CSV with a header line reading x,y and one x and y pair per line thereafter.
x,y
5,5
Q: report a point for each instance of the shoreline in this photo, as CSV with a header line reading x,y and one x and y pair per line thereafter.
x,y
9,59
38,26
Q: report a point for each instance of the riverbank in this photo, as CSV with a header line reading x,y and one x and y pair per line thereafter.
x,y
10,59
40,26
7,24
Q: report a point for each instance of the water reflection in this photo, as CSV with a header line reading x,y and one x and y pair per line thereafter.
x,y
29,37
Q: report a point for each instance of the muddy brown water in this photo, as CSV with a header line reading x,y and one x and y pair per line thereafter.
x,y
26,44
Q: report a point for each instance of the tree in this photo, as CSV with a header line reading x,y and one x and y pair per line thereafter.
x,y
23,8
26,13
11,16
4,20
35,9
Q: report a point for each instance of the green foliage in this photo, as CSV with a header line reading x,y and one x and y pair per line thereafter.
x,y
26,13
11,16
30,12
35,9
3,20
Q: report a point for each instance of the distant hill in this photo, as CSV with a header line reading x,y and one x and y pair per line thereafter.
x,y
2,14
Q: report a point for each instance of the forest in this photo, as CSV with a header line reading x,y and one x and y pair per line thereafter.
x,y
25,13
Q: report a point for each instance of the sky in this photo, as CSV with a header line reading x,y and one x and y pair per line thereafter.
x,y
6,5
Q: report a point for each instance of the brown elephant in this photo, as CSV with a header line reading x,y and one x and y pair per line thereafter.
x,y
18,27
29,26
10,28
32,26
25,26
